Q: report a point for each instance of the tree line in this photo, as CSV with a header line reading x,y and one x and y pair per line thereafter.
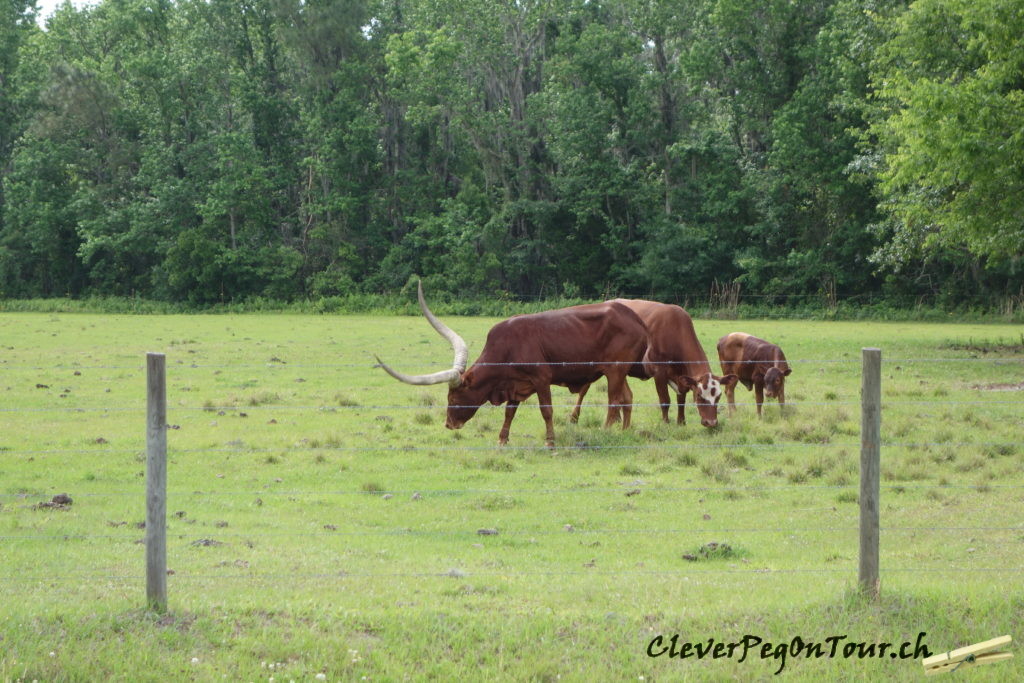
x,y
216,150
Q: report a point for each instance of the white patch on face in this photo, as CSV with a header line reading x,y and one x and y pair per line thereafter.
x,y
711,391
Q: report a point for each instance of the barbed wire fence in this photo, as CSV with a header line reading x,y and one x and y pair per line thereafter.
x,y
870,488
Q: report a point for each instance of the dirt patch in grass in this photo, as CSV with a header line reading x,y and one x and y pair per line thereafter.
x,y
61,501
999,386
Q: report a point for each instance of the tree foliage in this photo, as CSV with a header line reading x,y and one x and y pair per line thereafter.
x,y
950,127
215,150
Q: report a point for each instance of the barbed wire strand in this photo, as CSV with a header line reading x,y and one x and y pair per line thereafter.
x,y
241,449
398,407
622,489
431,362
462,574
475,533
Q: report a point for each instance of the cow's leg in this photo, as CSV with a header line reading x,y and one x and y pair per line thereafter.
x,y
759,396
546,411
627,403
616,398
730,394
662,388
575,415
782,399
681,400
510,412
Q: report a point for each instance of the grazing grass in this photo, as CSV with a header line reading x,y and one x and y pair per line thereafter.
x,y
321,520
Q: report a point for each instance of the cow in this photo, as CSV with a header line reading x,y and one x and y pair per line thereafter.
x,y
758,364
676,359
526,354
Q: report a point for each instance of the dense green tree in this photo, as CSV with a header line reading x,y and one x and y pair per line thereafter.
x,y
813,210
598,122
17,26
39,244
348,212
950,128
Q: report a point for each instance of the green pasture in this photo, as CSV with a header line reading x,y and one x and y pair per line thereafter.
x,y
321,519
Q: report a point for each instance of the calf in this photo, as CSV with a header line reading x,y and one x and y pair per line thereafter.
x,y
757,363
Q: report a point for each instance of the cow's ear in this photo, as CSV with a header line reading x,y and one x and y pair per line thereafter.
x,y
687,383
729,380
786,373
467,379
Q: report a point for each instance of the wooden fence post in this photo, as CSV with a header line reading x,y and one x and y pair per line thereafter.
x,y
870,467
156,482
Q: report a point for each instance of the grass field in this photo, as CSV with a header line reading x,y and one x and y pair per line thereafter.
x,y
321,520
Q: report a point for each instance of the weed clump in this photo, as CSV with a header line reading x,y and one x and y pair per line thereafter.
x,y
737,460
497,465
498,502
714,551
264,397
717,471
686,460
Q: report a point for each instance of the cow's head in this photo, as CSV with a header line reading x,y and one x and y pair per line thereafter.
x,y
774,381
463,398
707,391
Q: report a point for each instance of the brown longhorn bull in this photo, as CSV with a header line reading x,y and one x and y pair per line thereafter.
x,y
526,354
676,359
758,364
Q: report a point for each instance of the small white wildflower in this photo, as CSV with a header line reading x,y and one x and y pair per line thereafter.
x,y
195,660
270,666
53,654
321,677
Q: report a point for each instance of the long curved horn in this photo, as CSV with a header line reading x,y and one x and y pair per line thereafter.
x,y
453,376
458,345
